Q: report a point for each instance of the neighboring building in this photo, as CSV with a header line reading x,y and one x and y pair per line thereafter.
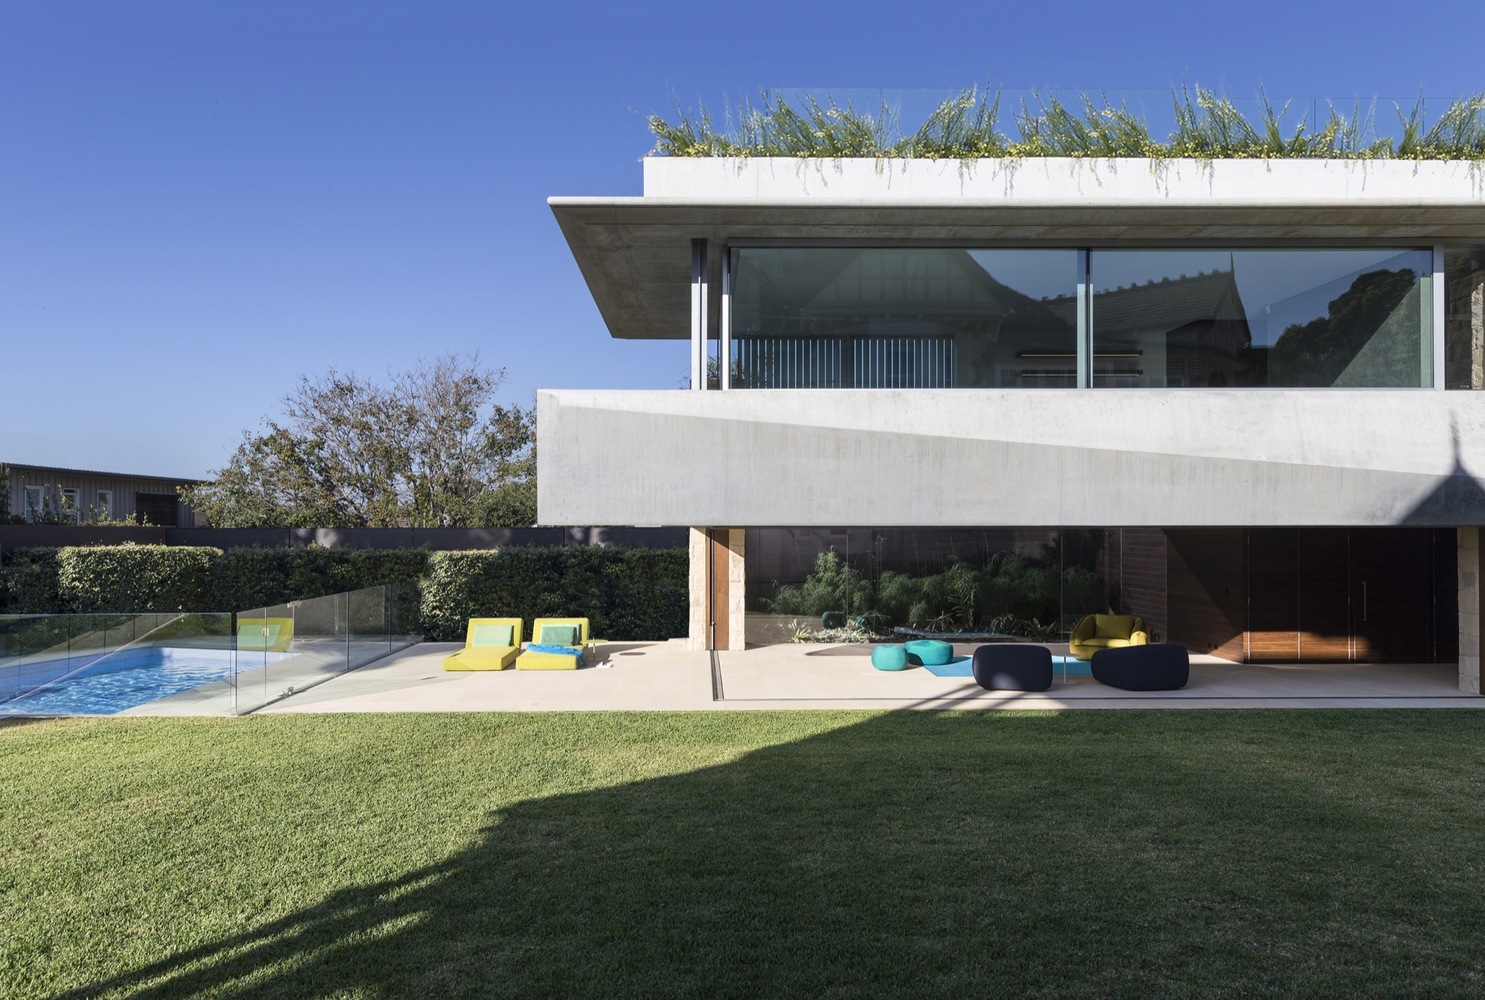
x,y
38,491
1237,395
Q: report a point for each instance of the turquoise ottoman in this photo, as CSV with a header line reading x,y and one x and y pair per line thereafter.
x,y
889,658
929,652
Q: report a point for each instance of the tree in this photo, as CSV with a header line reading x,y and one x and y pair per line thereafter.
x,y
429,449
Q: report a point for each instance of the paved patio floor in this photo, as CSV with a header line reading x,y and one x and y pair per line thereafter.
x,y
665,675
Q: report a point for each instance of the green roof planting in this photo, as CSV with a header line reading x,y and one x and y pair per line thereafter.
x,y
1207,125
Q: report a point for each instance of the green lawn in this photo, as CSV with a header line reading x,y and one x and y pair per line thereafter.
x,y
1118,853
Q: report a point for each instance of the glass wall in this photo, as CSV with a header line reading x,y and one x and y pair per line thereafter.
x,y
902,317
1029,583
937,317
1464,317
1266,318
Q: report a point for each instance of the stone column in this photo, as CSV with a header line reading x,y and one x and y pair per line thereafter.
x,y
1469,610
736,589
700,590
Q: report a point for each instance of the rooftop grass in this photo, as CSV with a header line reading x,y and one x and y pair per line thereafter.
x,y
1206,125
1082,854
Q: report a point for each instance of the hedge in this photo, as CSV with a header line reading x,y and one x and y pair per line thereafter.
x,y
626,593
635,594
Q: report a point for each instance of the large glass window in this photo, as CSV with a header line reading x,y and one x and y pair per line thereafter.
x,y
939,317
1277,318
903,317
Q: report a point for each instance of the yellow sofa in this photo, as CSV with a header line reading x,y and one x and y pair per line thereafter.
x,y
259,634
1097,632
573,628
489,644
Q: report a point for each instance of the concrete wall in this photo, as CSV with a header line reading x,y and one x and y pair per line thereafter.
x,y
991,458
1349,184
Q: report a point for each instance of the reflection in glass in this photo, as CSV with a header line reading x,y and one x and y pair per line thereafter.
x,y
903,317
1022,583
1280,318
1464,317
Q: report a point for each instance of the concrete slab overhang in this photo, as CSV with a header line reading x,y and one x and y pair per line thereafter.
x,y
1011,457
635,252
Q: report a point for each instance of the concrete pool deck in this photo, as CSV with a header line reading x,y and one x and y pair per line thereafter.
x,y
666,676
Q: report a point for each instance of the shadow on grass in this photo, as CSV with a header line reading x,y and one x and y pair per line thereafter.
x,y
1082,854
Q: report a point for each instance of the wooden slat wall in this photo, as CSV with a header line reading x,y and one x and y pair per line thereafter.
x,y
1446,595
1141,576
1323,577
1273,595
1206,584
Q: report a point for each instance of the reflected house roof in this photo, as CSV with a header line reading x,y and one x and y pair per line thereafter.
x,y
1170,304
936,284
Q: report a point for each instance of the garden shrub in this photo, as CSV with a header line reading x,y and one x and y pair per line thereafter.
x,y
28,582
630,594
833,585
128,577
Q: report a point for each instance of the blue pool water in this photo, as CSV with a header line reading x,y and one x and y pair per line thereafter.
x,y
129,679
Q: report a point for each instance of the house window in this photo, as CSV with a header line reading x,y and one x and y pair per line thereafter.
x,y
34,503
70,509
1269,318
903,317
939,317
103,508
159,509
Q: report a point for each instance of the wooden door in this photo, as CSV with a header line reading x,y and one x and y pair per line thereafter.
x,y
720,589
1324,606
1273,595
1392,593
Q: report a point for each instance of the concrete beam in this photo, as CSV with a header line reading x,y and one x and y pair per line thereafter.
x,y
986,457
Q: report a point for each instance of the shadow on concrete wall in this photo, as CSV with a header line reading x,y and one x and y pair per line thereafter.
x,y
1458,498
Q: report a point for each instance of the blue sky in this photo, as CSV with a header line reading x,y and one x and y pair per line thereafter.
x,y
201,202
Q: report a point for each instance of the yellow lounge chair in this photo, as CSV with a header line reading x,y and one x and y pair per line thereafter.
x,y
259,634
562,633
489,644
1097,632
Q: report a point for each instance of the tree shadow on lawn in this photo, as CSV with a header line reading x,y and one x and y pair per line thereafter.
x,y
1081,854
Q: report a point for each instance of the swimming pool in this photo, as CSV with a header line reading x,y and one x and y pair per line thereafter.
x,y
132,678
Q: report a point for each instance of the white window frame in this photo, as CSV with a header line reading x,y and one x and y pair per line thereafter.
x,y
105,505
66,493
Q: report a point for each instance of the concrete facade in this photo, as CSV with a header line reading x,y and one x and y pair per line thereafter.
x,y
976,457
982,457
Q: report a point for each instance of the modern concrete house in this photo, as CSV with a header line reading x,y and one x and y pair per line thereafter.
x,y
1240,396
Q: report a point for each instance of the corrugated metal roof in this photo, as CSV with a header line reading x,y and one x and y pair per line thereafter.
x,y
95,472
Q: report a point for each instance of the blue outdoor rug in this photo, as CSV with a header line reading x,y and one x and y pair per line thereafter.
x,y
959,666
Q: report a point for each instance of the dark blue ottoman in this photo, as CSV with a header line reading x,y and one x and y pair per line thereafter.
x,y
1012,666
1161,666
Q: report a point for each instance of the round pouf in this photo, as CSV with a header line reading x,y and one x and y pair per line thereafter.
x,y
929,652
889,658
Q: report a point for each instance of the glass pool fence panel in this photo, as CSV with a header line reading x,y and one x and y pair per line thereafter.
x,y
100,664
254,636
299,644
370,629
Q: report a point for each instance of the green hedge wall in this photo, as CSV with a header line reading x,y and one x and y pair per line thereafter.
x,y
99,578
630,594
638,594
28,582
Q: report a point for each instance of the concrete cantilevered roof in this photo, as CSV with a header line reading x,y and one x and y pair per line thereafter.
x,y
635,252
